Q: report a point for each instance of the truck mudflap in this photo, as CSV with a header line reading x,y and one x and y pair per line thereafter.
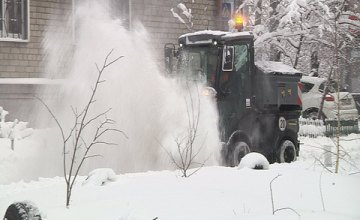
x,y
298,148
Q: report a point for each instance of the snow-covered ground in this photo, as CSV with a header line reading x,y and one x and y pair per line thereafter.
x,y
212,193
304,189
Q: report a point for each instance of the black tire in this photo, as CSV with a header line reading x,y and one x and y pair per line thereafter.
x,y
287,152
22,211
239,150
313,114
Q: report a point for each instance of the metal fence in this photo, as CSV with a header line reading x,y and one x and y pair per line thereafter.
x,y
314,128
346,127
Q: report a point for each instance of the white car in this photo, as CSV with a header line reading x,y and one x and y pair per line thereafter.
x,y
312,91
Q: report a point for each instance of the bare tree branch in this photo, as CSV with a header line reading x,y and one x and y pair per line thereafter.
x,y
81,122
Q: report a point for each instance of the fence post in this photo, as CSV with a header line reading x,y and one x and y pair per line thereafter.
x,y
12,143
327,156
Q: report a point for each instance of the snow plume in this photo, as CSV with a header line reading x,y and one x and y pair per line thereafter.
x,y
146,105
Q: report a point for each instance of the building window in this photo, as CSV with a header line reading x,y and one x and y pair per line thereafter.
x,y
14,18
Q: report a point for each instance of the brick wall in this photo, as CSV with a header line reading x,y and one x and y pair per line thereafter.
x,y
163,27
24,59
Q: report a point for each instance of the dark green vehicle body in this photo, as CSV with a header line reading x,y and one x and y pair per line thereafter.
x,y
259,103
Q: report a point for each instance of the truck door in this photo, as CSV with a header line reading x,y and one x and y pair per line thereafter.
x,y
234,87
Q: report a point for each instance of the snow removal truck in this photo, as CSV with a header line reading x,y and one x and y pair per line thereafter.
x,y
259,103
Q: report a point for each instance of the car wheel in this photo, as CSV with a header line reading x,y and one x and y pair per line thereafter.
x,y
240,149
287,152
313,115
22,211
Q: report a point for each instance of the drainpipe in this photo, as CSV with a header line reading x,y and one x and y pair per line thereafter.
x,y
130,15
73,20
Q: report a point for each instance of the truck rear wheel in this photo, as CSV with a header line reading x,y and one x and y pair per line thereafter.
x,y
240,149
287,152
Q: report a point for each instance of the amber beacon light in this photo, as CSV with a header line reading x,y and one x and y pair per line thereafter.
x,y
239,22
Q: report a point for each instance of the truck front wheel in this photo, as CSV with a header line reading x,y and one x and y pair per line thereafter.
x,y
287,152
240,149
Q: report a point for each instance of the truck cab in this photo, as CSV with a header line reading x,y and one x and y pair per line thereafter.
x,y
258,102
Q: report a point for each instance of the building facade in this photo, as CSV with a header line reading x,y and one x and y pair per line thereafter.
x,y
25,23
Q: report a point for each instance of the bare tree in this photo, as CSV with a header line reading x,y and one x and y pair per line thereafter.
x,y
74,144
337,40
186,153
325,158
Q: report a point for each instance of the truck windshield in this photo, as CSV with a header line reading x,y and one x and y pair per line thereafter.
x,y
199,63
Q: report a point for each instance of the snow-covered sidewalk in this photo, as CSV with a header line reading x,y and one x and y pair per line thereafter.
x,y
212,193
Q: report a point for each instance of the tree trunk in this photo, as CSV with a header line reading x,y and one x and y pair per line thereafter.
x,y
298,51
274,23
314,65
258,12
338,77
68,195
324,94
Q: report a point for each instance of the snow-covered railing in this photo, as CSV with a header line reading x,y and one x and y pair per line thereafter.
x,y
311,128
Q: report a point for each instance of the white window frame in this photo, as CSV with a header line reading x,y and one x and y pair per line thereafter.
x,y
27,29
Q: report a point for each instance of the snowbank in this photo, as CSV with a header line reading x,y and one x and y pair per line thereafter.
x,y
212,193
254,160
100,177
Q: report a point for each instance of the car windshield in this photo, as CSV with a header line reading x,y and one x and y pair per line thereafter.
x,y
199,63
306,87
332,86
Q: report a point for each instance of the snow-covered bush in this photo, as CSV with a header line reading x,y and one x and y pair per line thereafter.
x,y
311,128
3,114
255,161
13,130
100,177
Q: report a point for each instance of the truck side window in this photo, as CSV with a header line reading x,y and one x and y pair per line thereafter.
x,y
242,67
228,58
241,57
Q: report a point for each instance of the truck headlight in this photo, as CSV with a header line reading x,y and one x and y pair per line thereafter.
x,y
209,91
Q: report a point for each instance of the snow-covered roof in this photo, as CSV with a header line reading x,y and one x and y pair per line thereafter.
x,y
218,33
237,34
208,36
276,67
31,81
210,32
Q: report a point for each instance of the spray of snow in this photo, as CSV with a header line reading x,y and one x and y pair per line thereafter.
x,y
149,107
